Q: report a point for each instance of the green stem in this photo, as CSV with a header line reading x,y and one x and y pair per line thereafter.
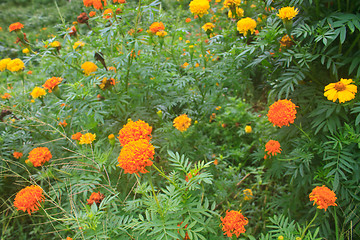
x,y
304,232
302,131
336,225
155,196
163,175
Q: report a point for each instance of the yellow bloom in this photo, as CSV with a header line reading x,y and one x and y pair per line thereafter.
x,y
161,33
26,50
248,195
78,44
3,63
245,25
342,90
111,136
199,7
15,65
55,44
87,138
287,13
185,65
208,27
88,67
229,3
248,129
239,13
38,92
182,122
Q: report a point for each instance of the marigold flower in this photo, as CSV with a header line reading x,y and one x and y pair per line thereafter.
x,y
89,67
136,155
38,92
245,25
17,155
95,197
111,136
87,138
286,41
287,13
78,44
28,199
282,112
15,65
119,1
29,72
248,195
182,122
272,147
51,83
216,162
25,50
15,26
3,63
187,20
133,131
233,223
82,18
88,3
55,44
185,65
69,238
342,90
156,27
63,123
199,7
73,31
92,13
161,34
108,13
76,136
229,3
248,129
208,27
38,156
239,13
323,197
6,96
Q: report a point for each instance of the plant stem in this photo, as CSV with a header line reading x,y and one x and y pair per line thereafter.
x,y
303,234
302,131
155,196
336,225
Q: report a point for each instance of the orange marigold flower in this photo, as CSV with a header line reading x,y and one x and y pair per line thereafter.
x,y
29,199
76,136
133,131
38,156
323,197
182,122
6,96
88,3
188,20
51,83
87,138
282,112
272,147
135,156
108,13
95,197
17,155
69,238
63,123
92,13
156,27
233,223
15,26
99,4
119,1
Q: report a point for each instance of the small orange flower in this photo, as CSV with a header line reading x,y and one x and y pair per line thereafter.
x,y
15,27
17,155
272,147
108,13
182,122
38,156
216,162
119,1
95,197
323,197
233,223
188,20
282,112
29,199
51,83
76,136
156,27
29,72
92,13
133,131
63,123
6,96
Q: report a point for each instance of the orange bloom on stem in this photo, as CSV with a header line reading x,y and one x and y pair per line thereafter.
x,y
156,27
108,13
17,155
38,156
76,136
282,112
92,13
233,223
88,3
63,123
29,199
182,122
95,197
15,26
6,96
51,83
272,147
323,197
133,131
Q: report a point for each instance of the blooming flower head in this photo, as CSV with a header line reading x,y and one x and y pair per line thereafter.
x,y
3,63
89,67
88,3
248,195
99,4
15,26
323,197
108,13
38,92
78,44
272,147
15,65
17,155
136,155
239,13
248,129
156,27
26,50
161,34
55,44
182,122
342,90
287,13
208,27
111,136
245,25
28,199
233,223
95,197
87,138
6,96
38,156
187,20
51,83
119,1
76,136
282,112
230,3
133,131
199,7
92,13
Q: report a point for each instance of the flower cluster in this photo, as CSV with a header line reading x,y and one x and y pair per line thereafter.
x,y
156,27
97,4
38,156
287,13
342,90
246,25
51,83
106,83
323,197
272,147
133,131
29,199
182,122
6,96
230,3
248,194
108,13
95,197
38,92
78,44
14,65
89,68
87,138
199,7
233,223
15,26
282,113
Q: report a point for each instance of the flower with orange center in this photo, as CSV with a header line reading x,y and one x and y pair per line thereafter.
x,y
38,156
76,136
108,13
133,131
233,223
342,90
282,112
87,138
182,122
95,197
199,7
208,27
246,25
17,155
6,96
15,26
51,83
272,147
63,123
323,197
156,27
29,199
287,13
89,68
136,155
230,3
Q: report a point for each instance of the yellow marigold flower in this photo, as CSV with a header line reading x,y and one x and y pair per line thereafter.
x,y
287,13
156,27
76,136
342,90
239,13
111,136
182,122
218,108
55,44
161,33
95,197
133,131
185,65
136,155
229,3
248,129
28,199
15,65
88,67
3,63
233,223
25,50
245,25
38,92
87,138
280,237
208,27
248,195
323,197
199,7
282,112
38,156
17,155
78,44
51,83
272,147
15,26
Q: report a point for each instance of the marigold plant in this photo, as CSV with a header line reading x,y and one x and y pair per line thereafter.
x,y
51,83
229,3
15,26
233,223
87,138
287,13
342,90
282,113
239,13
323,197
28,199
38,156
182,122
246,25
133,131
199,7
272,147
